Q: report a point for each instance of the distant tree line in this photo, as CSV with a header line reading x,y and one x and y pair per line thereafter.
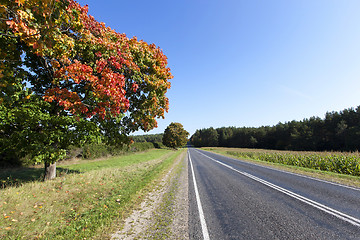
x,y
338,131
155,139
148,138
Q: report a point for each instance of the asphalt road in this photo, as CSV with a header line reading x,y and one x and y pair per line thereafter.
x,y
233,199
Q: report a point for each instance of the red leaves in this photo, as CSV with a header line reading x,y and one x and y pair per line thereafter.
x,y
100,65
69,100
95,70
98,54
78,72
19,2
135,87
12,24
108,90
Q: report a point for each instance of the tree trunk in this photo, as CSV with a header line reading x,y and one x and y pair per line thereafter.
x,y
50,171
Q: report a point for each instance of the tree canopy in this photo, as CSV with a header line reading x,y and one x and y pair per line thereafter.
x,y
67,78
175,135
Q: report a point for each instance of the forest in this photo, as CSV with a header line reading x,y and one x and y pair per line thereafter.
x,y
338,131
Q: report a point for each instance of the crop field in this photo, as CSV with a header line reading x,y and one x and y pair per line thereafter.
x,y
337,162
89,201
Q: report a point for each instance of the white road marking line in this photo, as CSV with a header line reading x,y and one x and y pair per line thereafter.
x,y
300,175
201,212
340,215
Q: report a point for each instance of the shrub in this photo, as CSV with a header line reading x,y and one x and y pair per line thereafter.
x,y
94,150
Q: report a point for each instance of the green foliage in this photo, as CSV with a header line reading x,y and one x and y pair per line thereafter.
x,y
138,147
97,150
205,137
175,135
158,145
338,131
155,139
28,129
148,138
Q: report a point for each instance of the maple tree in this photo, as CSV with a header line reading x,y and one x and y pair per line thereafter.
x,y
67,78
175,135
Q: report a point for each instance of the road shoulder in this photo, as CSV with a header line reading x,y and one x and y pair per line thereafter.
x,y
164,212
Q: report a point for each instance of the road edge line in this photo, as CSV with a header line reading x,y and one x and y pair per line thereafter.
x,y
204,229
289,172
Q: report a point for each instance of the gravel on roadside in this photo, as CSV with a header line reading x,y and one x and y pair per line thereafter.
x,y
164,212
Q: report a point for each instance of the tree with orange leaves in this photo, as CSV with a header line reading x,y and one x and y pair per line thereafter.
x,y
67,79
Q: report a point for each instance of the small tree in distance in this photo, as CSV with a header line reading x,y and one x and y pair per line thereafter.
x,y
175,135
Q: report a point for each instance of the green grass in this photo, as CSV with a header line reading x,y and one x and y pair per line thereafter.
x,y
114,161
19,176
331,166
88,203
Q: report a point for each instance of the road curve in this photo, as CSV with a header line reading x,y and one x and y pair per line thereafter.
x,y
241,200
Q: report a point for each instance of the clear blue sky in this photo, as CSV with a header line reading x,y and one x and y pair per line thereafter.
x,y
247,63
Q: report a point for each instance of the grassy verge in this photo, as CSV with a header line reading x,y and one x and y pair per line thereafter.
x,y
164,214
85,204
18,176
325,175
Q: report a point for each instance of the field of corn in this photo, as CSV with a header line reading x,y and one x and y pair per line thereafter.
x,y
338,162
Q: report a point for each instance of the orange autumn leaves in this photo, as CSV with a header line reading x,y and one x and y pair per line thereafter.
x,y
94,70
